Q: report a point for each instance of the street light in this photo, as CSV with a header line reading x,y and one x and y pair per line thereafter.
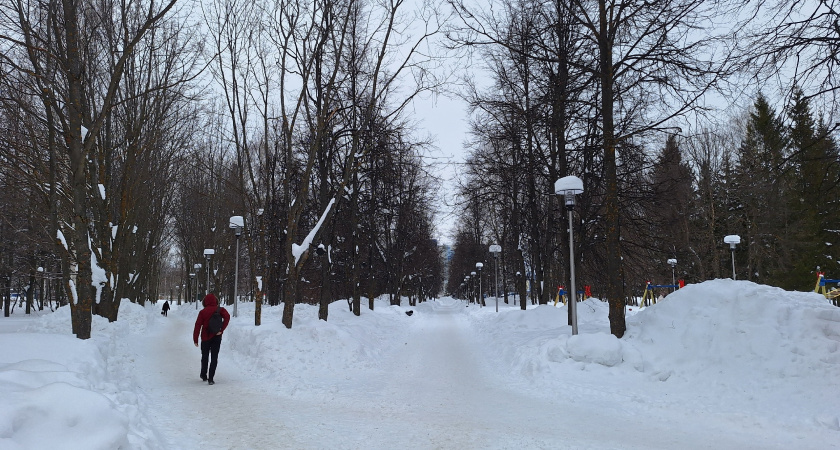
x,y
263,260
518,277
478,267
208,253
41,293
569,187
196,268
472,277
732,240
673,263
237,223
495,250
467,289
190,293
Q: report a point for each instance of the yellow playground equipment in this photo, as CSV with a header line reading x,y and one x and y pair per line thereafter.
x,y
832,294
561,294
648,298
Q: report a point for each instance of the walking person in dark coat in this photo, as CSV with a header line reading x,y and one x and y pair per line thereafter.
x,y
210,342
165,311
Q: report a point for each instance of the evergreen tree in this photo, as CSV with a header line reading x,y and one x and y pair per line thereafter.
x,y
762,209
672,199
814,161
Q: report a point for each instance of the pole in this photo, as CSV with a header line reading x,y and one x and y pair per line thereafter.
x,y
236,277
496,272
733,263
673,279
572,300
207,288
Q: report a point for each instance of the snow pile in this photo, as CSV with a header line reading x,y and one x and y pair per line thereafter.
x,y
717,345
737,342
82,391
759,332
534,341
598,348
52,384
307,357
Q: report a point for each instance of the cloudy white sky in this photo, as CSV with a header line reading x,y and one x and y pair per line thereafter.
x,y
446,120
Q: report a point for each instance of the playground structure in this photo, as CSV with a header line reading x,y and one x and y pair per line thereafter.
x,y
833,294
561,294
649,299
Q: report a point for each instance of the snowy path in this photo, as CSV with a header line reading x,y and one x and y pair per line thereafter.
x,y
435,392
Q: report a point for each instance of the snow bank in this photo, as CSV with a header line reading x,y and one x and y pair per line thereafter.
x,y
82,391
739,342
752,330
307,357
598,348
722,344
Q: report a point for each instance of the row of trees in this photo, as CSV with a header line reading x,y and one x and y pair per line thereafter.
x,y
773,179
132,138
589,88
90,93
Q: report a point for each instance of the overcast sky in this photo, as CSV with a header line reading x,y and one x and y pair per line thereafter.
x,y
445,119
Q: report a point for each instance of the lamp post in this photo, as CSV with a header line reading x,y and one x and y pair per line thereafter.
x,y
732,240
196,268
190,293
569,187
467,289
478,267
472,277
518,278
673,263
263,268
495,250
237,223
208,253
40,271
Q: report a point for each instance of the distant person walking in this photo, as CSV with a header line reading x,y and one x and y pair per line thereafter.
x,y
210,323
165,311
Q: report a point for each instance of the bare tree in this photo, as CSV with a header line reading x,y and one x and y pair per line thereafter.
x,y
797,38
57,39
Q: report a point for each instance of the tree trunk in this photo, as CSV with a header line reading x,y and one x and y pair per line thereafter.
x,y
30,292
615,295
258,308
354,244
107,309
7,297
290,295
325,297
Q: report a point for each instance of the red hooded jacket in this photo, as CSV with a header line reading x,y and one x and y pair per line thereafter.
x,y
210,304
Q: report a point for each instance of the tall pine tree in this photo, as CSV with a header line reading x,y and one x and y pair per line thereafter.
x,y
762,195
672,197
815,173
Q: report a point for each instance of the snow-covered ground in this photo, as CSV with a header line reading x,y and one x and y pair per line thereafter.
x,y
718,365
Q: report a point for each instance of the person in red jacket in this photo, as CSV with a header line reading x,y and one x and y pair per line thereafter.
x,y
210,343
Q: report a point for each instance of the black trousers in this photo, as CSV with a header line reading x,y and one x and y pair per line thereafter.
x,y
210,348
